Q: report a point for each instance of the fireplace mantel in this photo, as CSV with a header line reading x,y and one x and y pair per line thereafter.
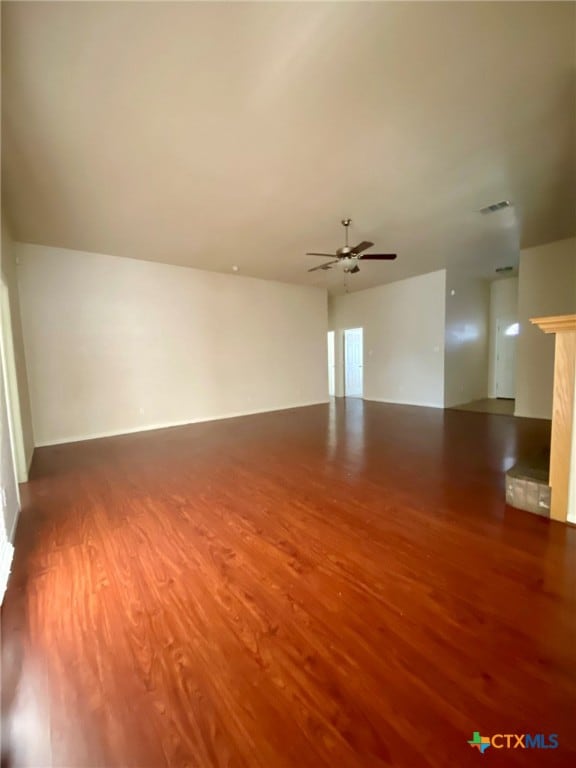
x,y
562,453
556,323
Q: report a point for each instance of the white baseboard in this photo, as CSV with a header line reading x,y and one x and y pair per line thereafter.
x,y
6,555
169,424
403,402
531,416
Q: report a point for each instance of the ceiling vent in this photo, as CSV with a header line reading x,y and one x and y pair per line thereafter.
x,y
496,206
504,269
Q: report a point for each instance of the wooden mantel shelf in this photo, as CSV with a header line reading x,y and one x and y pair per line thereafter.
x,y
555,324
563,412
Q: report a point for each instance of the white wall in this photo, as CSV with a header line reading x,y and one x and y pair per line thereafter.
x,y
546,286
466,343
116,345
403,326
503,303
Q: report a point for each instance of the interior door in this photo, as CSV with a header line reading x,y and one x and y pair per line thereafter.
x,y
353,362
331,365
506,337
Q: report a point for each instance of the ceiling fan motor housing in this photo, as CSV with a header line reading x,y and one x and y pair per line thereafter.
x,y
348,257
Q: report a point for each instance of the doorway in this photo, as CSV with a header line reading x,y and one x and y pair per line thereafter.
x,y
353,362
505,369
331,364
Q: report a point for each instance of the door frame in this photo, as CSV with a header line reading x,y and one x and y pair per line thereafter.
x,y
8,363
503,320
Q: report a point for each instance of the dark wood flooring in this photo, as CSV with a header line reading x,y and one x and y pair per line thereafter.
x,y
328,586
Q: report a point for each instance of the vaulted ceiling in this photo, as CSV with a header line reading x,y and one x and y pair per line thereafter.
x,y
221,134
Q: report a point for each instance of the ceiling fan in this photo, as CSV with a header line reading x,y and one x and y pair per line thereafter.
x,y
350,257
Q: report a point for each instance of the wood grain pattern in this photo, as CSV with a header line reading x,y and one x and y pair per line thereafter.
x,y
334,585
561,458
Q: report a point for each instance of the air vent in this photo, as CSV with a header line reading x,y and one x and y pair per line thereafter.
x,y
496,206
504,269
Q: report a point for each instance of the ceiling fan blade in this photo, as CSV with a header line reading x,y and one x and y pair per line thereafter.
x,y
326,255
378,257
328,265
361,246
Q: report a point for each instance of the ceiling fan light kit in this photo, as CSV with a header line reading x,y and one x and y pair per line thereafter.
x,y
349,257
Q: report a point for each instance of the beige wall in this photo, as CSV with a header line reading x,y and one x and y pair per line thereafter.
x,y
546,286
403,326
15,362
116,345
466,343
503,303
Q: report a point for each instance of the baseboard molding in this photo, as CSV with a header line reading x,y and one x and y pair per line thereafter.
x,y
30,461
531,416
403,402
170,424
6,555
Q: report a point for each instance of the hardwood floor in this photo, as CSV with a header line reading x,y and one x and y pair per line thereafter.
x,y
328,586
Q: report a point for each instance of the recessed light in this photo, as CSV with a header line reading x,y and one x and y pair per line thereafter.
x,y
235,268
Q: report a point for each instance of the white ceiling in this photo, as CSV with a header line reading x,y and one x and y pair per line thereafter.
x,y
218,134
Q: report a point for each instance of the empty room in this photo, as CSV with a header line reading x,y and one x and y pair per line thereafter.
x,y
288,384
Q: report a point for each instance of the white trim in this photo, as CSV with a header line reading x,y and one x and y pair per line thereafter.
x,y
169,424
6,555
404,402
11,391
12,533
